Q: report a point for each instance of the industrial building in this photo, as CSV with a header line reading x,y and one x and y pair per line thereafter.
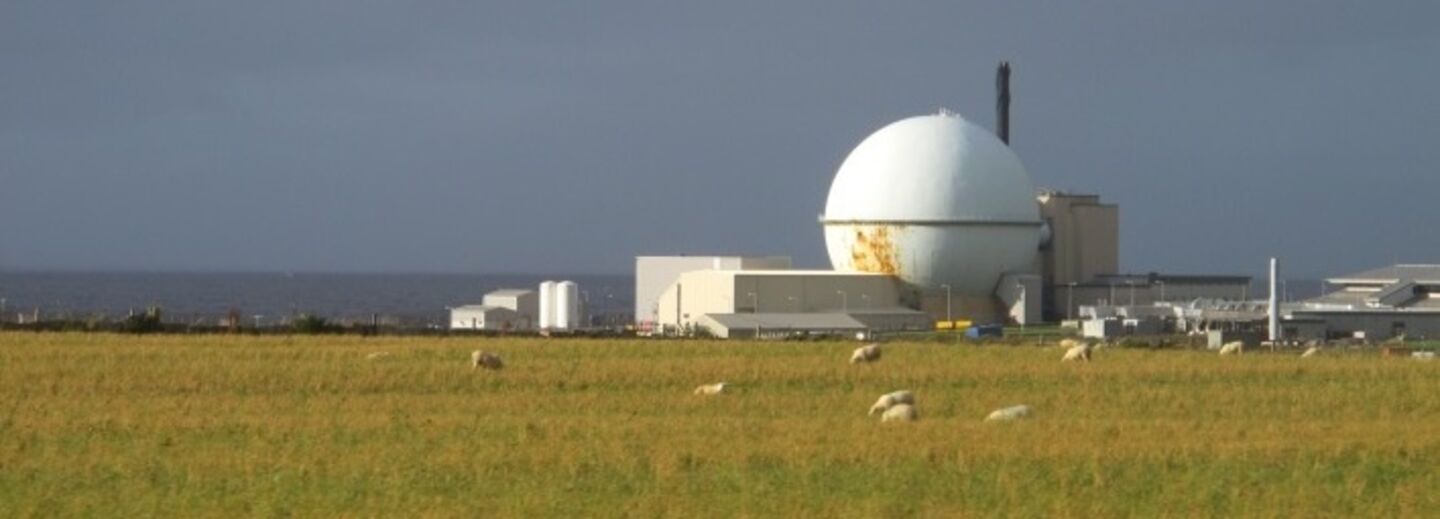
x,y
1080,242
734,303
929,218
523,302
555,306
508,309
1139,290
654,274
483,317
1375,305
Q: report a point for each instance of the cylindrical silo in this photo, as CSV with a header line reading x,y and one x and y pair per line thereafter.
x,y
547,305
567,305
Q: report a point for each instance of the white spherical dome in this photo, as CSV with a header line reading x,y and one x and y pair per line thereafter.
x,y
937,201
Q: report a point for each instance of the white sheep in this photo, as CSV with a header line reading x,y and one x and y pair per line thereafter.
x,y
1066,344
893,399
377,355
1232,348
1310,352
900,413
1077,352
868,353
710,389
1014,412
484,359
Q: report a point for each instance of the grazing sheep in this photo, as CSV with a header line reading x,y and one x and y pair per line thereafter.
x,y
890,400
1311,352
484,359
1014,412
868,353
1232,348
1077,352
1066,344
710,389
900,413
377,355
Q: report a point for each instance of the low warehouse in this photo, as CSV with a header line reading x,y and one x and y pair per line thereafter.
x,y
484,317
748,302
1375,305
509,309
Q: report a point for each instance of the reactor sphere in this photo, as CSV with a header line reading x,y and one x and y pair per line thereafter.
x,y
936,201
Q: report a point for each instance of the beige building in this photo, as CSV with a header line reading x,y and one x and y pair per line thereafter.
x,y
1084,239
756,300
654,274
1083,243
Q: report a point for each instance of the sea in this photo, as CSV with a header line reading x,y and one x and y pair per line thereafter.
x,y
274,298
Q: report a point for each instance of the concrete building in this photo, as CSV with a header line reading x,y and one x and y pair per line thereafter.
x,y
522,301
724,301
483,317
654,274
1374,305
1115,290
1080,243
780,325
509,309
1083,240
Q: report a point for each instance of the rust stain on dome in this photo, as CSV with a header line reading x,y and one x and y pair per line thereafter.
x,y
874,250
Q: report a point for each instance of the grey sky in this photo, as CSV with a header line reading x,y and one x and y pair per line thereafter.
x,y
571,136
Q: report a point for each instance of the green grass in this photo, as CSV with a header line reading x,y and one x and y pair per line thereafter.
x,y
110,425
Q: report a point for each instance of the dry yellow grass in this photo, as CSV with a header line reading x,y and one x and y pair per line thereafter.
x,y
115,425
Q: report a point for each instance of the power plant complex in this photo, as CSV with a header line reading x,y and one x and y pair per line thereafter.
x,y
930,221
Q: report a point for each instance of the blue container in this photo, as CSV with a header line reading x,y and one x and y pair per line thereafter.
x,y
985,330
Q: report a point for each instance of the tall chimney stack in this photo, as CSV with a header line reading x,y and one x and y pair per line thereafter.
x,y
1002,102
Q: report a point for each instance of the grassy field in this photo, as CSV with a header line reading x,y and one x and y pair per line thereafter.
x,y
110,425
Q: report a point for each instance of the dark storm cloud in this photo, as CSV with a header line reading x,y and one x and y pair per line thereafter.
x,y
571,136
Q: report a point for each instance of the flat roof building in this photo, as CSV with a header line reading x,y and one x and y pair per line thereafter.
x,y
653,274
1081,242
788,301
1374,305
484,317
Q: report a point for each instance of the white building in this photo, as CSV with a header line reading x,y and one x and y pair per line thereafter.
x,y
522,301
654,274
484,317
511,309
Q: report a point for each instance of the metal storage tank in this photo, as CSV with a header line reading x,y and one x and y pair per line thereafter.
x,y
936,201
547,304
567,305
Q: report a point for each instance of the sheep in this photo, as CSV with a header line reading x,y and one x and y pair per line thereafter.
x,y
890,400
484,359
1311,352
1005,414
900,413
1066,344
377,355
1232,348
868,353
1078,352
710,389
